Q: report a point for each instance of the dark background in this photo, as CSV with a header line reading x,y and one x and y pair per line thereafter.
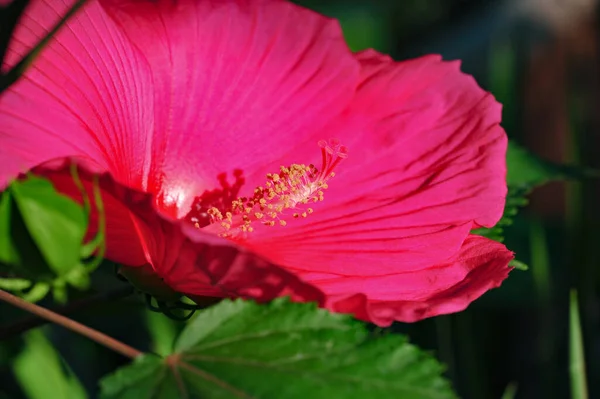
x,y
541,60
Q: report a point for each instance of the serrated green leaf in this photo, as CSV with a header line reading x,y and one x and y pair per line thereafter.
x,y
138,380
231,317
525,172
56,223
515,199
239,349
41,373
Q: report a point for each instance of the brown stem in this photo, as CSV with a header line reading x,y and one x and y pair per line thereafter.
x,y
72,325
27,323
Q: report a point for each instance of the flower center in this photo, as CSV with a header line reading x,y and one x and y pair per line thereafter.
x,y
285,195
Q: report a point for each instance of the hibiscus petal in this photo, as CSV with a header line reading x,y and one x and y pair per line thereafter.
x,y
238,84
88,94
481,265
436,141
188,260
426,164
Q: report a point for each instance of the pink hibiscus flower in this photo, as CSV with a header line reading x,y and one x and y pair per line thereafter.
x,y
245,151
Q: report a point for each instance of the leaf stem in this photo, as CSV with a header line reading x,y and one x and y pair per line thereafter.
x,y
30,322
72,325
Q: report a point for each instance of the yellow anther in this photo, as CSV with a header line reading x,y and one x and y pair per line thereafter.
x,y
292,188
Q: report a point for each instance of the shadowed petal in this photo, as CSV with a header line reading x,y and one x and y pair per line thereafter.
x,y
481,265
188,260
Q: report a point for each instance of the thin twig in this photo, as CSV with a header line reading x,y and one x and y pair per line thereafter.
x,y
30,322
11,76
72,325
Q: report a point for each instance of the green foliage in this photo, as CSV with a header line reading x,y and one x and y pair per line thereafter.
x,y
576,353
45,212
525,172
162,330
42,245
364,25
281,350
510,392
42,374
515,199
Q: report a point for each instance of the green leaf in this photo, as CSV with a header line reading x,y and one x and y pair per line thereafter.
x,y
56,223
577,371
8,251
239,349
526,170
515,199
41,238
14,284
162,330
78,277
517,264
138,380
36,293
41,372
18,251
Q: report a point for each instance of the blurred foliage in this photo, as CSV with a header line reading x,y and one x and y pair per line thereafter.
x,y
40,358
525,171
34,260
